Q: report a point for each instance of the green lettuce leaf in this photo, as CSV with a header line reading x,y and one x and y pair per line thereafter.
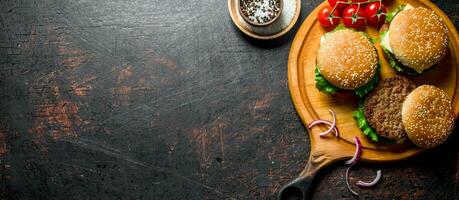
x,y
359,117
390,16
391,58
365,89
342,27
323,85
339,27
372,40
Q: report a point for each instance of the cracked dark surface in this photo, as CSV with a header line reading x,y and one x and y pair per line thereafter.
x,y
149,99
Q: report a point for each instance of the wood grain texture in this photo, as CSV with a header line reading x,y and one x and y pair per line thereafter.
x,y
149,99
313,104
237,20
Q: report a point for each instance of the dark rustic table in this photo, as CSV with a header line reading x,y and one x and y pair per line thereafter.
x,y
150,99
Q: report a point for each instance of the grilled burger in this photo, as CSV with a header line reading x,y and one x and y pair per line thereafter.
x,y
414,39
346,60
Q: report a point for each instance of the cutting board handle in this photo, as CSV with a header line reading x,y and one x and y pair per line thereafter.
x,y
300,188
297,189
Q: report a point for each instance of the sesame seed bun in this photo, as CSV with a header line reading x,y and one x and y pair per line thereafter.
x,y
418,38
428,116
347,59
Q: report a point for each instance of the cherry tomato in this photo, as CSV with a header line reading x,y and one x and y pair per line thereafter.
x,y
354,16
328,19
375,13
341,3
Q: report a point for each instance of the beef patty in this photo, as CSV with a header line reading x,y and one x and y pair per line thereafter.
x,y
383,107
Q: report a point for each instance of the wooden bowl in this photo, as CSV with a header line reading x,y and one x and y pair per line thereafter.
x,y
281,3
252,31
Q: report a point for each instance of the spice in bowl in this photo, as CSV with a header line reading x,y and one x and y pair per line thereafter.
x,y
260,12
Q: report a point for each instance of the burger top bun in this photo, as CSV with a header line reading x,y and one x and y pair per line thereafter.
x,y
347,59
428,116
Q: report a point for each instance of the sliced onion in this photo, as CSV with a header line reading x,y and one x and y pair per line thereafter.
x,y
352,162
331,124
322,121
358,152
347,181
319,121
372,183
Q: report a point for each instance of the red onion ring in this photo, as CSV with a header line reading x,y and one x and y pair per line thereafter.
x,y
319,121
322,121
358,152
331,124
332,127
347,181
352,162
372,183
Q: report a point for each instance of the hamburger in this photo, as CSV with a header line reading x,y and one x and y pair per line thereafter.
x,y
346,60
428,116
413,39
396,110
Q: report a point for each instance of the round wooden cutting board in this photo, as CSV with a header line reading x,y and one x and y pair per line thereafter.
x,y
312,104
